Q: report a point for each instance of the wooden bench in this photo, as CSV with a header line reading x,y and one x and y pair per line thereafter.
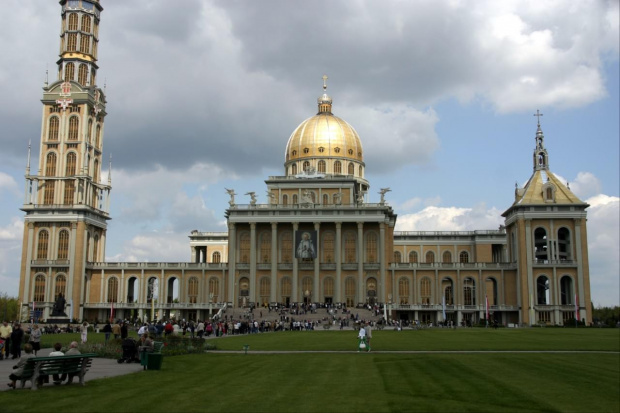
x,y
74,365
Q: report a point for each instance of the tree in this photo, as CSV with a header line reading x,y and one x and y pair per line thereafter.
x,y
8,307
606,315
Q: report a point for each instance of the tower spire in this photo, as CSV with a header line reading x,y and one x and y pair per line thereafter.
x,y
324,101
541,159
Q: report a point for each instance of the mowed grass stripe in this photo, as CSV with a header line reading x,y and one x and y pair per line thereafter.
x,y
364,382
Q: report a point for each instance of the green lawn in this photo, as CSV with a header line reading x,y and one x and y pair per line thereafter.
x,y
364,382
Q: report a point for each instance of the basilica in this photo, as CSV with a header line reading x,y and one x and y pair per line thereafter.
x,y
317,240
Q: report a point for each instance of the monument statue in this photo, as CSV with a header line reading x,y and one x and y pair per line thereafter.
x,y
59,306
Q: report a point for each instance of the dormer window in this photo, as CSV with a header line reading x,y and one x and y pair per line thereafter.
x,y
337,150
294,153
548,192
321,149
351,152
306,150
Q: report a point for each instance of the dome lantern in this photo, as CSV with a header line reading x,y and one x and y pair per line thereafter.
x,y
325,102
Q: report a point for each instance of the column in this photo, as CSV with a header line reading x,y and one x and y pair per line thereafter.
x,y
28,273
360,262
337,296
253,262
580,276
316,292
232,259
382,259
294,297
274,262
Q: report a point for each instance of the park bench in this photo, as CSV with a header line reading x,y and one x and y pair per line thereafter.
x,y
74,365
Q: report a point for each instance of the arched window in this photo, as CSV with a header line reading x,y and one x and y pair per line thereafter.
x,y
306,166
322,167
361,170
287,247
284,199
96,171
61,284
73,21
49,192
286,289
328,287
50,164
491,290
464,257
448,291
430,257
295,199
349,248
425,291
71,47
53,128
39,288
244,248
83,75
540,244
42,245
371,247
216,257
351,168
397,256
447,257
469,291
306,285
349,291
325,199
265,248
564,244
71,164
112,290
265,290
413,257
328,247
566,290
192,290
63,245
89,130
86,23
337,167
88,253
542,290
74,123
403,291
214,288
294,169
98,136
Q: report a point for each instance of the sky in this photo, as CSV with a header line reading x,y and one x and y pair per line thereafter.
x,y
203,95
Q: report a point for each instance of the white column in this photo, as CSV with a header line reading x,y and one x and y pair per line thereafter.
x,y
232,259
382,259
274,262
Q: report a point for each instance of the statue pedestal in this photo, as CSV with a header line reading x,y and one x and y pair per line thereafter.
x,y
58,320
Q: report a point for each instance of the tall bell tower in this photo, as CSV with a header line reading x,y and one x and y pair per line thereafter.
x,y
66,203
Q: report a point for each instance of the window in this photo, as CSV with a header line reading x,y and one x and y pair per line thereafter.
x,y
349,291
50,164
322,167
89,129
337,167
306,150
321,149
361,172
337,150
265,248
464,257
83,75
284,199
350,151
295,199
63,245
244,248
542,290
328,287
306,285
61,284
71,161
371,248
351,169
74,123
86,23
540,244
448,291
192,290
349,248
294,169
48,194
287,247
96,171
214,288
564,244
294,153
413,257
98,136
286,288
112,290
71,47
397,256
84,45
95,247
73,21
53,129
44,238
39,288
403,291
306,166
265,290
325,199
447,257
491,290
469,291
216,257
328,247
425,290
430,257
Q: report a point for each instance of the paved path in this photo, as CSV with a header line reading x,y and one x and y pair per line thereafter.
x,y
101,368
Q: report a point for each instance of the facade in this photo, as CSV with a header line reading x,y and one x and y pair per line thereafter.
x,y
317,240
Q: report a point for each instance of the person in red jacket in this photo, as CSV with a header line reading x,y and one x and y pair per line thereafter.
x,y
168,329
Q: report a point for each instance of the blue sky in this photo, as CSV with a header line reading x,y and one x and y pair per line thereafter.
x,y
441,93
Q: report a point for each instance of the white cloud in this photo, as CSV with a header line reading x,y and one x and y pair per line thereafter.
x,y
585,185
7,183
10,255
434,218
165,247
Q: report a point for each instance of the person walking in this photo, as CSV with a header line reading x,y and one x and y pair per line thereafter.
x,y
361,344
5,334
35,338
368,331
107,330
16,341
84,332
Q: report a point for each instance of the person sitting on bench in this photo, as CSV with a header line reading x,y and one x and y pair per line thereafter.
x,y
18,369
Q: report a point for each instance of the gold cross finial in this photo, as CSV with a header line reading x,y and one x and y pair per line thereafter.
x,y
538,115
325,82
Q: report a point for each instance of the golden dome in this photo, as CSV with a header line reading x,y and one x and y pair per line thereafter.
x,y
324,135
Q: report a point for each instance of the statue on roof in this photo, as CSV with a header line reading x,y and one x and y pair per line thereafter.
x,y
382,192
232,194
252,198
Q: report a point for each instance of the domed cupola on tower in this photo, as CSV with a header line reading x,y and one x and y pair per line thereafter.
x,y
324,145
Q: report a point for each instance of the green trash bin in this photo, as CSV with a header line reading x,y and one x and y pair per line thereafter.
x,y
154,361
